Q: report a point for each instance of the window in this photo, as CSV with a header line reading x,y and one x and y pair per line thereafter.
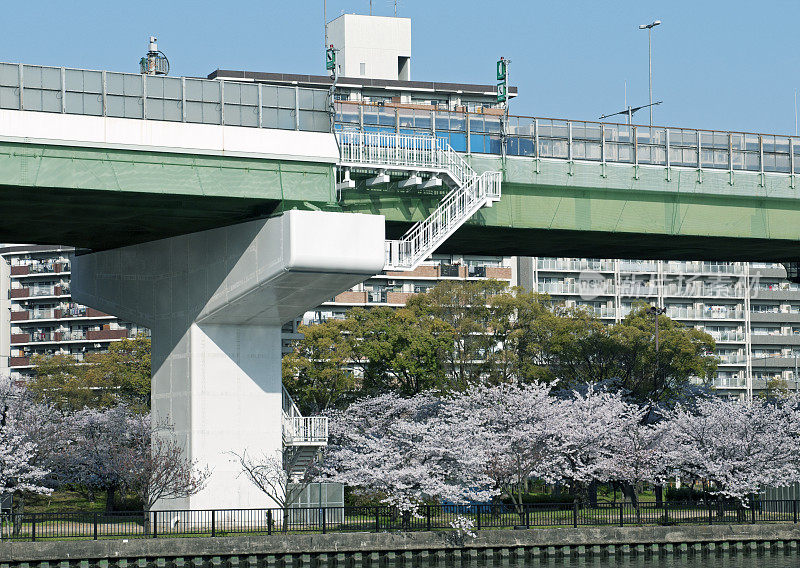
x,y
363,69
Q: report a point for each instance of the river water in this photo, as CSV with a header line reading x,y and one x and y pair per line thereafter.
x,y
723,560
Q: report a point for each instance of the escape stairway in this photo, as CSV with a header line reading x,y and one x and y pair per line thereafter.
x,y
415,155
303,438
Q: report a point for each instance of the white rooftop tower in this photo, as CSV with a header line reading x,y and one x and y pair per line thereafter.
x,y
375,47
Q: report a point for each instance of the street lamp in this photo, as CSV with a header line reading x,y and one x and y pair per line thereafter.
x,y
649,28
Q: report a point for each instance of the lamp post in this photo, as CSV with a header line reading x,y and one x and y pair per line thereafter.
x,y
655,311
649,27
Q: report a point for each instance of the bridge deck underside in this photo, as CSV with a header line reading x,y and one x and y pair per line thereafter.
x,y
106,198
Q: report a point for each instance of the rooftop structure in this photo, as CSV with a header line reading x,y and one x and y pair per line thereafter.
x,y
378,47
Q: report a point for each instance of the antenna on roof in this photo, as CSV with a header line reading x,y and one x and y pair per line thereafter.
x,y
155,62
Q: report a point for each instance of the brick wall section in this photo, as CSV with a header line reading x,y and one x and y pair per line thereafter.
x,y
352,298
20,338
19,361
20,316
92,313
107,334
398,297
20,270
19,293
498,272
419,272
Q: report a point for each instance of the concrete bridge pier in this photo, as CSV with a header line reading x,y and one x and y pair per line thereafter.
x,y
215,301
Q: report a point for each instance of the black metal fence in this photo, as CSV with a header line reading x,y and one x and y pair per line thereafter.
x,y
226,522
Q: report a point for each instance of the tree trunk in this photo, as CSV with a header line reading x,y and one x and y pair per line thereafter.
x,y
17,512
592,494
110,493
659,491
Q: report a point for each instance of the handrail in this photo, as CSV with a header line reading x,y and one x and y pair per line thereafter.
x,y
472,191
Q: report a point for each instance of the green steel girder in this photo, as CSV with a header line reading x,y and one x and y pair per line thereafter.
x,y
103,198
558,208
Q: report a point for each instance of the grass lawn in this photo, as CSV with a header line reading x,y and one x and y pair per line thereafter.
x,y
63,501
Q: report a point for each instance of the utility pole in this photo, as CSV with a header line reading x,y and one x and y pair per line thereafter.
x,y
649,28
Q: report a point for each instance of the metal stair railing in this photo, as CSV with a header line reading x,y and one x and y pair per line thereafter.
x,y
392,150
302,430
427,235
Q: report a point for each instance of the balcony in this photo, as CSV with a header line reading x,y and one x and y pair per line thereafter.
x,y
423,271
20,316
20,338
19,362
575,264
39,268
726,335
19,293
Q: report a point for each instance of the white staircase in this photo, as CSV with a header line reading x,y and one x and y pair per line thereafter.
x,y
414,154
303,437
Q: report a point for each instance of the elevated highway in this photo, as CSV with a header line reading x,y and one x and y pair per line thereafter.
x,y
215,211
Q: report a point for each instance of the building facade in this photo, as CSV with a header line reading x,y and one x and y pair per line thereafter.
x,y
38,315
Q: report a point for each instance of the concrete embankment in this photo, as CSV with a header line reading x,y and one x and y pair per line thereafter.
x,y
414,548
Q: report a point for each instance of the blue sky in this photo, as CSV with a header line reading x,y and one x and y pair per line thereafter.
x,y
720,65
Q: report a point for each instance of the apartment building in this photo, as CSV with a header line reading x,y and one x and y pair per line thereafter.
x,y
750,309
38,315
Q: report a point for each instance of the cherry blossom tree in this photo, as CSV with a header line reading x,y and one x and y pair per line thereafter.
x,y
406,449
511,428
590,423
94,456
20,469
736,448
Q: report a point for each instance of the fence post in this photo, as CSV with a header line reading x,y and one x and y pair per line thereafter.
x,y
479,516
710,515
527,516
575,514
269,521
155,522
33,528
753,510
324,524
428,517
622,513
794,510
213,523
94,522
377,519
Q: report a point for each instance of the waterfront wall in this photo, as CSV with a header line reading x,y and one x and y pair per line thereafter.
x,y
342,550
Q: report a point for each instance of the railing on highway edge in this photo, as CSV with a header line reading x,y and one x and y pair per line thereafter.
x,y
154,97
226,522
577,140
236,103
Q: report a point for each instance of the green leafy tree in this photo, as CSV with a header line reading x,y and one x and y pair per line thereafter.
x,y
101,380
399,350
318,372
469,309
